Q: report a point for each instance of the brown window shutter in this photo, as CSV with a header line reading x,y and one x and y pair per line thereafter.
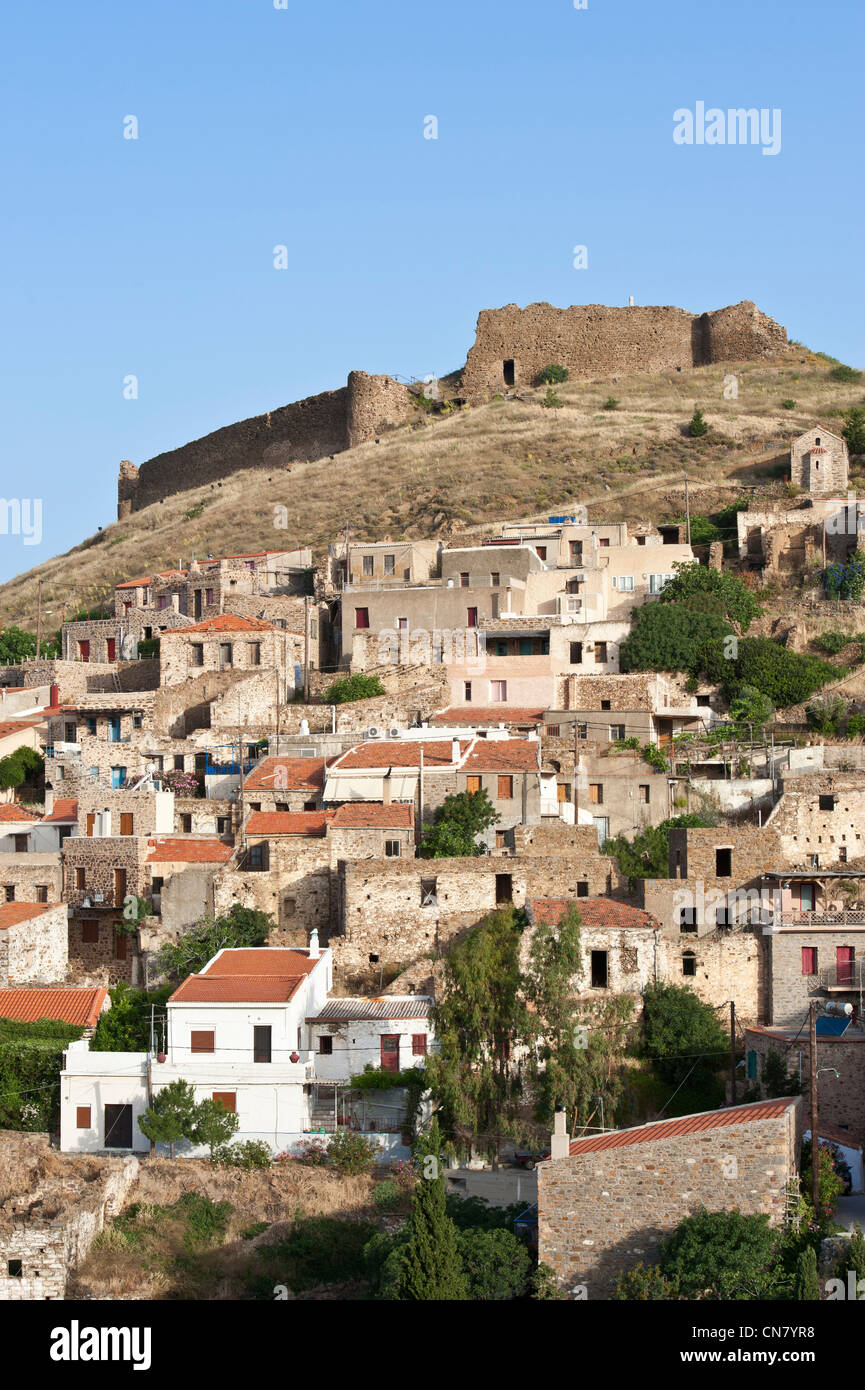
x,y
228,1098
473,784
82,1117
91,821
126,822
201,1042
506,788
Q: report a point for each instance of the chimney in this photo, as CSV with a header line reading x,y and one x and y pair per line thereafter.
x,y
560,1144
455,750
314,950
54,697
385,789
106,822
49,800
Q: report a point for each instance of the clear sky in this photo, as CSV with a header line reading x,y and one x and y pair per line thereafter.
x,y
304,127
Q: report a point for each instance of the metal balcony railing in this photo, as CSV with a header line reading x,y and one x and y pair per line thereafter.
x,y
847,917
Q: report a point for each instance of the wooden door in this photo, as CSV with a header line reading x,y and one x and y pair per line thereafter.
x,y
390,1052
844,964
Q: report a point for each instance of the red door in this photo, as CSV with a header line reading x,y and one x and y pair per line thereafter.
x,y
390,1052
844,964
84,648
111,649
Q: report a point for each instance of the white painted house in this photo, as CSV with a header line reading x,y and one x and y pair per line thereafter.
x,y
236,1033
391,1032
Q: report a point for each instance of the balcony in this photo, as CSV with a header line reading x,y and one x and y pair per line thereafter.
x,y
847,917
841,979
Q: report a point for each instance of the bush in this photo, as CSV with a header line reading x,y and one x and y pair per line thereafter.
x,y
645,1284
854,429
388,1195
611,403
553,375
833,640
320,1250
351,1153
855,727
248,1154
311,1151
846,581
677,1025
737,601
788,405
148,648
457,823
496,1264
552,400
669,637
350,688
206,1221
825,714
125,1027
722,1255
240,926
647,855
847,376
697,425
786,677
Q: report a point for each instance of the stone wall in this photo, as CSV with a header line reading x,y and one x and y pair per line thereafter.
x,y
842,1073
35,951
52,1219
595,341
313,428
603,1212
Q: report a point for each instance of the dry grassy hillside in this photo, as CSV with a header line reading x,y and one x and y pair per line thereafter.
x,y
504,459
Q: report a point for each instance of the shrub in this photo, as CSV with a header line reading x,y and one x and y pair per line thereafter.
x,y
545,1284
692,579
669,637
240,926
854,429
351,1153
677,1025
651,754
553,375
496,1264
786,677
611,403
825,714
457,823
846,581
148,648
206,1220
847,376
832,641
388,1195
350,688
645,1284
256,1229
855,727
722,1255
697,425
248,1154
311,1151
319,1250
552,400
788,405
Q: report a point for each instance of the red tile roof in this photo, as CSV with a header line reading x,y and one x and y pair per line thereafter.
x,y
595,912
13,913
358,815
503,755
65,808
494,714
224,622
143,583
176,850
18,726
309,823
252,975
12,811
77,1006
287,774
687,1124
399,753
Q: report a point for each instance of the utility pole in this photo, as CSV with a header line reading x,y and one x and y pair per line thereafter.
x,y
687,509
815,1137
306,650
732,1052
419,832
39,620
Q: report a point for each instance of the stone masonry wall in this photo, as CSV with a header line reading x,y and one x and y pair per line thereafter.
x,y
602,1213
35,952
594,340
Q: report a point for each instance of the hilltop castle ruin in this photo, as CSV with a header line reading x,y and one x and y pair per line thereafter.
x,y
511,346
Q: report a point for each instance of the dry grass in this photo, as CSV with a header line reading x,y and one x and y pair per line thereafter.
x,y
503,459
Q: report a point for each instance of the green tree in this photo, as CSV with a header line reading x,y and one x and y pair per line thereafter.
x,y
431,1265
125,1027
721,1255
17,645
24,765
350,688
645,1284
807,1281
831,1182
671,637
777,1080
545,1284
854,429
691,578
240,926
681,1035
478,1018
171,1115
457,823
553,375
497,1266
213,1125
751,707
697,425
647,855
552,400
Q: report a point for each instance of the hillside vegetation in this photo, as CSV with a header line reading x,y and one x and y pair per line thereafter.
x,y
502,460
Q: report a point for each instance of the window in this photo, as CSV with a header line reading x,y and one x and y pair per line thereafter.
x,y
723,917
604,540
583,889
809,960
91,726
600,652
552,731
15,1269
80,878
428,894
71,731
505,790
504,888
599,969
82,1117
617,731
156,884
42,892
464,581
226,655
120,944
842,854
687,919
563,791
751,1065
418,1044
368,564
473,784
226,1098
498,691
704,701
390,564
222,825
118,777
495,579
202,1040
261,1044
827,803
576,549
596,793
197,654
208,597
361,617
645,792
127,820
402,624
689,963
467,691
325,1045
501,839
471,617
391,849
255,857
186,823
137,721
21,844
253,651
576,653
606,704
723,863
9,892
626,583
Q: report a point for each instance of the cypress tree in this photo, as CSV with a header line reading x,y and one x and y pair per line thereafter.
x,y
432,1270
807,1280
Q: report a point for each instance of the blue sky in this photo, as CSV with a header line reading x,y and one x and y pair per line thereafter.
x,y
304,127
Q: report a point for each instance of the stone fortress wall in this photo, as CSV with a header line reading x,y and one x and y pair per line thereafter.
x,y
511,347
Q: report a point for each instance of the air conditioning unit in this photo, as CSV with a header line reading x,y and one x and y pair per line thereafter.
x,y
394,732
374,732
